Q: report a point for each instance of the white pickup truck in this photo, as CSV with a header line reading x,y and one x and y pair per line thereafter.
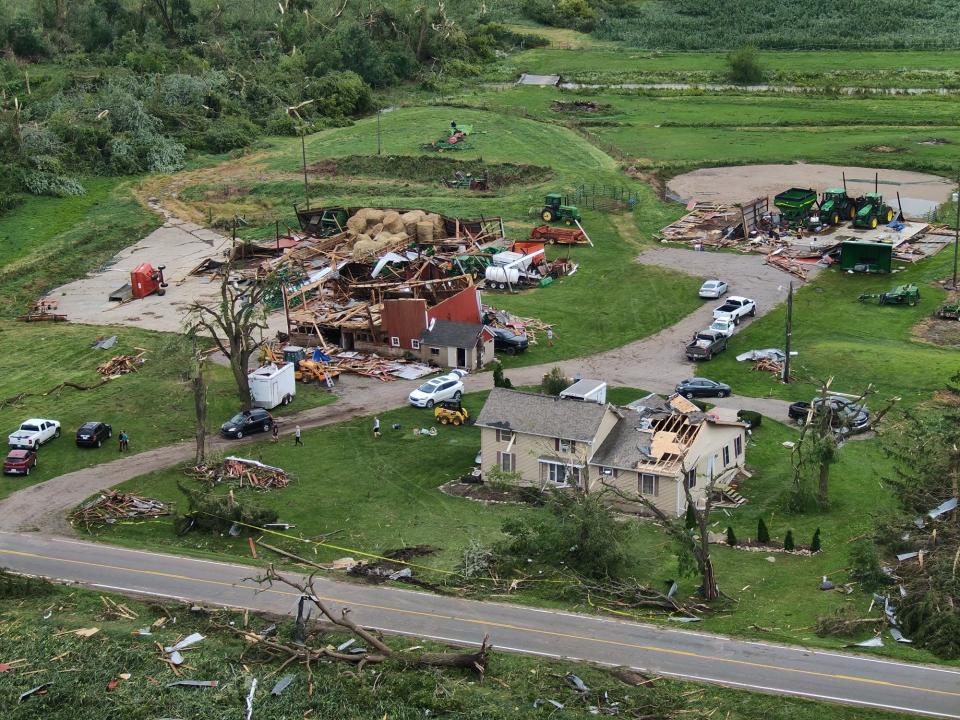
x,y
735,308
34,433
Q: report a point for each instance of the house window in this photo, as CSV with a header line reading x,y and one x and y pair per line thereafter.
x,y
415,344
504,435
394,342
507,461
726,455
559,474
692,477
608,472
649,484
564,446
738,446
435,352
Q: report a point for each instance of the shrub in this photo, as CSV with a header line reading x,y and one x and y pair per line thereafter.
x,y
498,379
763,535
217,513
865,566
340,94
690,519
815,542
788,541
25,39
477,559
751,418
554,382
229,133
743,66
731,538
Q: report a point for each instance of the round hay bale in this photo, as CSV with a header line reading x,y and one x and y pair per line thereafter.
x,y
374,215
439,229
357,224
410,220
392,221
364,249
425,231
375,229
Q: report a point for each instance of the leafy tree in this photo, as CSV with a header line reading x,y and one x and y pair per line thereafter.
x,y
815,542
731,538
577,531
865,566
25,39
788,541
743,66
763,535
554,382
690,519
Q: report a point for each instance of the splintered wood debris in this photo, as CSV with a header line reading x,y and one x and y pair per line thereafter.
x,y
113,506
243,473
122,364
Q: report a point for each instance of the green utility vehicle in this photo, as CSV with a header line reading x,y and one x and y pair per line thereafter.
x,y
836,206
871,211
554,210
795,205
900,295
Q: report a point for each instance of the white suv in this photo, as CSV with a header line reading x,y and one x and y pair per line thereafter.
x,y
445,387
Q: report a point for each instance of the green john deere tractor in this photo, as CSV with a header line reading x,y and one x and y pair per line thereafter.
x,y
554,210
836,206
872,211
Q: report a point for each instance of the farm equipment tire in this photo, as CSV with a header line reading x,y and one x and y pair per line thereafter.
x,y
568,221
852,213
889,216
873,223
444,420
547,216
161,292
835,219
456,420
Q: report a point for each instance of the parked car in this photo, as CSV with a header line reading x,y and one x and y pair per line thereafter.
x,y
705,345
20,462
724,327
445,387
247,422
34,433
510,342
847,416
735,308
93,434
713,289
702,387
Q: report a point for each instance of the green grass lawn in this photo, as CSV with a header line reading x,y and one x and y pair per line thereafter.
x,y
40,356
82,667
855,343
383,494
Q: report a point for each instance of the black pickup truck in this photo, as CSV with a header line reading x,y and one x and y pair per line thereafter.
x,y
705,345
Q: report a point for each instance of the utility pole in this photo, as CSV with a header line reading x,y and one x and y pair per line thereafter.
x,y
379,146
303,152
788,335
956,235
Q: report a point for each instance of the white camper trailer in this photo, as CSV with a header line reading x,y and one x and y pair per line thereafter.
x,y
272,385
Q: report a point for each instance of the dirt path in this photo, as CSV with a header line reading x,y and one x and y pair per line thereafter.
x,y
655,363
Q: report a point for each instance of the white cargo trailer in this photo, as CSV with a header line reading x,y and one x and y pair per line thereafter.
x,y
272,385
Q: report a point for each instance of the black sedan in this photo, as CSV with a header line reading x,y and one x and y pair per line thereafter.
x,y
508,341
701,387
93,434
247,422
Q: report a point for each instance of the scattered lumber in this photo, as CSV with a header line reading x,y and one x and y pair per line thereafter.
x,y
121,365
113,506
243,473
787,264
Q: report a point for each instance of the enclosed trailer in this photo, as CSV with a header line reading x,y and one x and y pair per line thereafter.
x,y
865,256
272,385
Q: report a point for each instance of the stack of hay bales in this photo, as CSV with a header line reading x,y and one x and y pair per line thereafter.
x,y
374,231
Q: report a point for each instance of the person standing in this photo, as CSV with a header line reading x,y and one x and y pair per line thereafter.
x,y
296,436
124,441
376,427
275,436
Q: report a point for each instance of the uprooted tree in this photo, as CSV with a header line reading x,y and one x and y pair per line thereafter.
x,y
377,651
187,353
233,323
693,544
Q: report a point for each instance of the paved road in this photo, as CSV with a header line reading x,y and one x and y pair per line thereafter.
x,y
816,674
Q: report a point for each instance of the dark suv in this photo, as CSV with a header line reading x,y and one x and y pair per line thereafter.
x,y
93,434
510,342
247,422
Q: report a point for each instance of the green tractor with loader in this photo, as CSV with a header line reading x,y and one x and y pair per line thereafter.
x,y
555,210
836,206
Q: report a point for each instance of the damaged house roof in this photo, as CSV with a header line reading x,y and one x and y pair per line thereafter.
x,y
450,333
542,415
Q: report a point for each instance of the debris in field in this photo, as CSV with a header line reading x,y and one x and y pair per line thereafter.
x,y
282,684
683,619
121,365
191,639
38,690
104,343
114,506
876,641
243,473
576,682
898,636
942,508
113,684
253,690
344,645
540,701
115,609
43,309
194,683
826,584
145,632
12,665
765,354
80,632
176,658
907,556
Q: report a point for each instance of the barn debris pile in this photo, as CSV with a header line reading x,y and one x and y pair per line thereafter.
x,y
114,506
242,473
121,365
501,319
